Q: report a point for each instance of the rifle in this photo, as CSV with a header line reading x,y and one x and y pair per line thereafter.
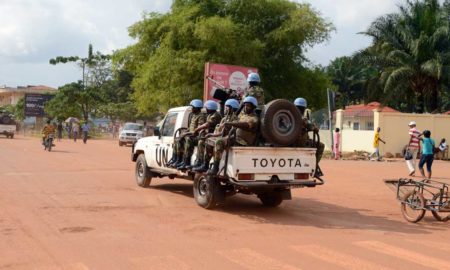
x,y
222,93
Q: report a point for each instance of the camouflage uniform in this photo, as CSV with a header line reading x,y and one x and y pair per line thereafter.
x,y
211,142
305,141
197,120
191,141
243,137
213,119
257,92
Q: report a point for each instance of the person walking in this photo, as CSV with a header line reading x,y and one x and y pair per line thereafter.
x,y
75,130
413,147
427,155
376,144
337,139
85,130
59,128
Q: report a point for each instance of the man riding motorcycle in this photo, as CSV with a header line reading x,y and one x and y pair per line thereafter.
x,y
47,130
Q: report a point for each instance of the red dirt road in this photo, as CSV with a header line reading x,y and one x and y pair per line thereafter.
x,y
79,208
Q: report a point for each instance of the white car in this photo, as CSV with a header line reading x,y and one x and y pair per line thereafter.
x,y
130,133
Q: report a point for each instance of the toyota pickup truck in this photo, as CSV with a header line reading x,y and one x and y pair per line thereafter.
x,y
268,171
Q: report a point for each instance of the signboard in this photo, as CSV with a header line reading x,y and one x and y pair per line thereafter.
x,y
34,104
233,77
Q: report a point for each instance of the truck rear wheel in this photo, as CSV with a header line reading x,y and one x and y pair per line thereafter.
x,y
207,191
281,123
271,199
143,173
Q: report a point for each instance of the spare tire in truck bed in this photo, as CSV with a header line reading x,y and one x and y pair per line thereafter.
x,y
281,123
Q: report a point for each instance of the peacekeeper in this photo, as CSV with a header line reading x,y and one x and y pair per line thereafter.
x,y
304,140
231,107
247,128
254,90
213,118
197,119
47,130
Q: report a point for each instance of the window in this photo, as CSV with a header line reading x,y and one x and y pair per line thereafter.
x,y
369,126
168,127
356,126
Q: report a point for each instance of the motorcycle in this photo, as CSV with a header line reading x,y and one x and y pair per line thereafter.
x,y
49,142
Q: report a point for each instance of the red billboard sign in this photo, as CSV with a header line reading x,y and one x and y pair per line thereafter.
x,y
228,76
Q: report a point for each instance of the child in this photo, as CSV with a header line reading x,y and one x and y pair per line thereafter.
x,y
337,138
427,153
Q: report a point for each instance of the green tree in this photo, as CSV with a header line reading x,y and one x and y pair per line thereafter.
x,y
350,77
167,61
411,49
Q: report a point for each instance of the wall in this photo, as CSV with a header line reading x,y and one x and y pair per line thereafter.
x,y
394,128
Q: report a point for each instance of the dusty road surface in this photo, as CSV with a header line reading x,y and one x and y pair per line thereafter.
x,y
79,208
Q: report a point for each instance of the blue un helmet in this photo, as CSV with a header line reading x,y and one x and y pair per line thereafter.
x,y
233,103
251,100
300,102
196,103
211,105
253,77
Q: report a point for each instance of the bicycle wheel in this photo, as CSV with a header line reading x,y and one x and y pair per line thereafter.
x,y
441,216
413,206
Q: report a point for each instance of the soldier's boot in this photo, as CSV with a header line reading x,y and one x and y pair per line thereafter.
x,y
177,162
186,163
197,163
202,168
172,160
214,169
318,172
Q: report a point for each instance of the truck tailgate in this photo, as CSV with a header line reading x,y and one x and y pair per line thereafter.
x,y
264,162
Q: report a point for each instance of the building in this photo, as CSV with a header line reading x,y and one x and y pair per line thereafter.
x,y
360,117
359,122
10,95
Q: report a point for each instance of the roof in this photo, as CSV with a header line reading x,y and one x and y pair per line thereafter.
x,y
365,110
28,89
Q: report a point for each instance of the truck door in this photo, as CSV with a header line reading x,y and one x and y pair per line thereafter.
x,y
165,148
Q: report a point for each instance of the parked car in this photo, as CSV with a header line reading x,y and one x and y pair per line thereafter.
x,y
130,133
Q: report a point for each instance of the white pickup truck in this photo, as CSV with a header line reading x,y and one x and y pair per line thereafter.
x,y
7,125
268,172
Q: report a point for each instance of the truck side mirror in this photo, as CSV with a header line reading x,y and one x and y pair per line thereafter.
x,y
156,131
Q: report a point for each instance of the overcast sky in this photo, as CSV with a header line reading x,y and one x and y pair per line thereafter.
x,y
33,31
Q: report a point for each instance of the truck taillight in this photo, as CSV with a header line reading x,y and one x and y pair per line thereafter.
x,y
246,176
300,176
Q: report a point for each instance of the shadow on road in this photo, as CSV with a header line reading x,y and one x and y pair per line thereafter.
x,y
311,213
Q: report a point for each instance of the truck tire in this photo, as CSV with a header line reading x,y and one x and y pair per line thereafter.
x,y
143,174
5,119
281,123
207,191
11,136
271,199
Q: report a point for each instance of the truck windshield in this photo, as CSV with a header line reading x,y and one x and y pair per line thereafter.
x,y
132,127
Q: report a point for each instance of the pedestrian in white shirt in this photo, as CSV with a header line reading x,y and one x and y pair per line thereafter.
x,y
413,147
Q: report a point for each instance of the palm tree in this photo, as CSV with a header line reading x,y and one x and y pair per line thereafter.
x,y
411,49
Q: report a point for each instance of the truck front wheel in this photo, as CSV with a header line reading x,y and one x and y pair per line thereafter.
x,y
207,191
143,174
271,199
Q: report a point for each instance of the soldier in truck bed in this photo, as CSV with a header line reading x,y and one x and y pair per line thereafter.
x,y
304,140
205,147
254,89
247,127
198,119
213,118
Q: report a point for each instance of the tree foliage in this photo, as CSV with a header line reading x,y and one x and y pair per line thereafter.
x,y
411,51
103,92
167,60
